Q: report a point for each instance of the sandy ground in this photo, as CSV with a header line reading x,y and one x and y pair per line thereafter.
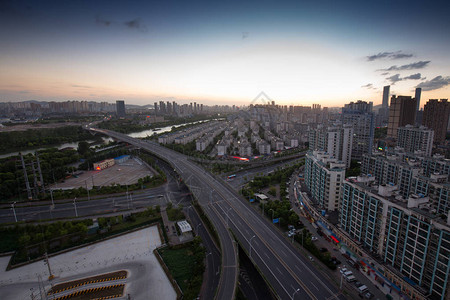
x,y
126,173
132,252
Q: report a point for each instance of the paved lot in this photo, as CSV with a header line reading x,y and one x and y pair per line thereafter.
x,y
126,173
132,252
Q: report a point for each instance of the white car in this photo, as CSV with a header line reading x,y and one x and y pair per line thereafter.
x,y
343,270
313,238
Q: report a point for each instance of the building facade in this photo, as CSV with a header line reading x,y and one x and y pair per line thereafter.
x,y
360,117
336,140
436,116
324,177
120,108
413,139
402,112
404,234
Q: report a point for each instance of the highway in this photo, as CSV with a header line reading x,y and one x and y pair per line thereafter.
x,y
290,274
102,205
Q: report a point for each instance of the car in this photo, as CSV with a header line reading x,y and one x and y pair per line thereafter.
x,y
313,238
343,270
291,227
323,250
368,295
311,258
358,284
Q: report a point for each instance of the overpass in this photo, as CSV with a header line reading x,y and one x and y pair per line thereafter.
x,y
290,274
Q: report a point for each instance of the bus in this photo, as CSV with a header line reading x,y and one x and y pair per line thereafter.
x,y
231,177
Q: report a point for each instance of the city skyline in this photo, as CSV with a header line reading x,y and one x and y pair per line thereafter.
x,y
297,53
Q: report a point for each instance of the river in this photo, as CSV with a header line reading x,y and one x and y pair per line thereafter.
x,y
140,134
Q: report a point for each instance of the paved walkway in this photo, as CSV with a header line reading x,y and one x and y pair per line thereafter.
x,y
170,228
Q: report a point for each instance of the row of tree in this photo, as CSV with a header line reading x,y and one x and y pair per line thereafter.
x,y
20,140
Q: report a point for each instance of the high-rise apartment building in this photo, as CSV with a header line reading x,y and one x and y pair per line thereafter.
x,y
436,116
120,108
360,116
402,112
413,139
417,96
324,177
407,238
385,103
337,141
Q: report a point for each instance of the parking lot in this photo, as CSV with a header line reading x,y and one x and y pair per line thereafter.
x,y
132,252
125,173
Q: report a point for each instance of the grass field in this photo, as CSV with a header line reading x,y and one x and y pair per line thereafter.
x,y
186,264
180,263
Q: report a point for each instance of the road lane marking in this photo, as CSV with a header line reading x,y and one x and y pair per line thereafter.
x,y
314,285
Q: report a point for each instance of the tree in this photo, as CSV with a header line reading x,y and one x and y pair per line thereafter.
x,y
83,148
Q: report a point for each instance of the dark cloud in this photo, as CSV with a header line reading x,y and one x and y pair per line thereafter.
x,y
244,35
388,55
416,76
412,66
102,22
136,24
394,78
435,83
368,86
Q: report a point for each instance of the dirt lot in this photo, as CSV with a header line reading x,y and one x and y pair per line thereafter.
x,y
126,173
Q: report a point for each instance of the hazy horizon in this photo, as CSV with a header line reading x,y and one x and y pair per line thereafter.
x,y
327,53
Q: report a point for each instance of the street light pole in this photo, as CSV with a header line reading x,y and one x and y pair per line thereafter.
x,y
293,295
75,205
51,196
251,245
197,227
272,213
212,258
14,211
87,189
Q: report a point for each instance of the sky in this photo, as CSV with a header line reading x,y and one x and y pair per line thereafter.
x,y
223,52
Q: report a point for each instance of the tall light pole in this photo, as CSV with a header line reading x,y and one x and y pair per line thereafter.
x,y
251,245
87,189
51,196
293,295
196,231
75,205
212,258
228,217
14,211
272,213
262,212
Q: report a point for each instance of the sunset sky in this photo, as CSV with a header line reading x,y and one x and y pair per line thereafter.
x,y
227,52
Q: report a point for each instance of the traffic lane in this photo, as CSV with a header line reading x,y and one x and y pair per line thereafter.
x,y
83,208
283,284
286,250
211,281
252,237
228,276
227,281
